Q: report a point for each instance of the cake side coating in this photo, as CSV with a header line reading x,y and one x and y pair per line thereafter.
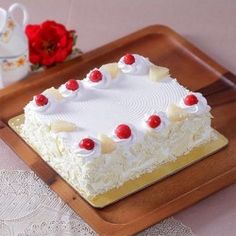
x,y
76,128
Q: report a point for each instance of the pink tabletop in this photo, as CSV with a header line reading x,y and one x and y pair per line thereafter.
x,y
209,24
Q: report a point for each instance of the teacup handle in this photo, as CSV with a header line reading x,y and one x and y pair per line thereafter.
x,y
24,11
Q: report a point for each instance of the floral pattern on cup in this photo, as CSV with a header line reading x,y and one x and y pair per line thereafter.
x,y
11,64
6,35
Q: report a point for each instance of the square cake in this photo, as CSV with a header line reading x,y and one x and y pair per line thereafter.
x,y
123,120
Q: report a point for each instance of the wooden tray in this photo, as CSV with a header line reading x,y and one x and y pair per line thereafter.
x,y
193,69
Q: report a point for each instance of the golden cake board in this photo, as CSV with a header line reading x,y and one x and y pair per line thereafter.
x,y
147,179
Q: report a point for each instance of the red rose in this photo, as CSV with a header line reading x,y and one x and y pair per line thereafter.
x,y
49,43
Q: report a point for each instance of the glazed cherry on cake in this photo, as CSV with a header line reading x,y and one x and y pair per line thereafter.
x,y
153,121
41,100
87,144
72,85
95,75
129,59
123,131
190,100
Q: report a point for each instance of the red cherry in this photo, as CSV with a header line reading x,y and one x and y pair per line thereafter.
x,y
129,59
87,144
72,84
154,121
95,76
123,131
190,100
41,100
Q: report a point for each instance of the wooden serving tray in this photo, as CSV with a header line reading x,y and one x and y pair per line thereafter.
x,y
193,69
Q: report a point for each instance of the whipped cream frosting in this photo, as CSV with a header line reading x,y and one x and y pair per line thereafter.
x,y
200,108
128,141
69,94
103,83
164,121
95,152
50,107
141,66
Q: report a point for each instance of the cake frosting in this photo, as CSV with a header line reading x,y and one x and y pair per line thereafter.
x,y
129,110
199,108
103,83
78,93
140,66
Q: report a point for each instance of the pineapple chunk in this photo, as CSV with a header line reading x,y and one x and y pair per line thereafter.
x,y
157,73
107,144
54,93
62,126
175,113
112,68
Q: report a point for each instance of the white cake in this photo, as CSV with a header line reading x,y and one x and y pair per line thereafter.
x,y
123,120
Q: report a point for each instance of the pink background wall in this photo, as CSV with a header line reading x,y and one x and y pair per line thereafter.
x,y
210,24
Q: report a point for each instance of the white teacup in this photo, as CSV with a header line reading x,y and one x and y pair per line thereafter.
x,y
13,69
14,63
